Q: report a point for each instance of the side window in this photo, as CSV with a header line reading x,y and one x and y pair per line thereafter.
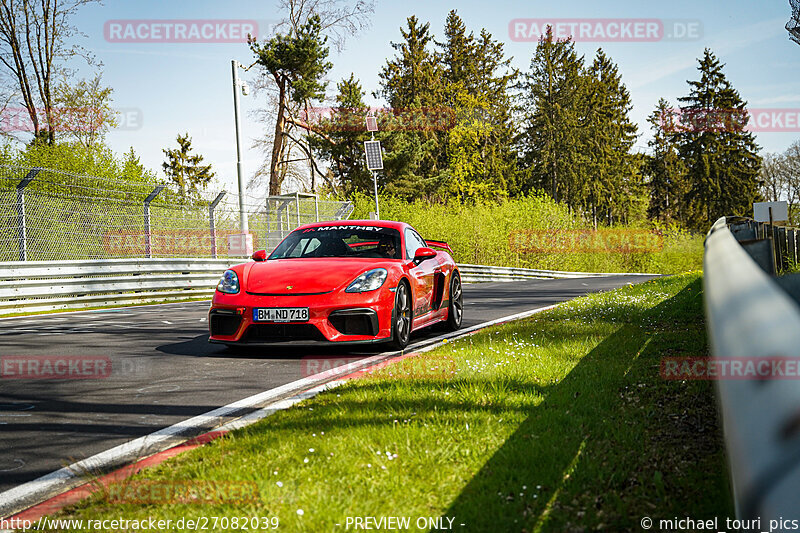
x,y
413,243
304,247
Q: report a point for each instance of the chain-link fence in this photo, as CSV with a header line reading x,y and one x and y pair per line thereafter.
x,y
53,215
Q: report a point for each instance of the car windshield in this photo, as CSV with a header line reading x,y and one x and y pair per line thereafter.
x,y
340,241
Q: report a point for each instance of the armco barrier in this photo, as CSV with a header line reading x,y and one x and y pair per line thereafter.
x,y
750,315
479,273
29,286
46,286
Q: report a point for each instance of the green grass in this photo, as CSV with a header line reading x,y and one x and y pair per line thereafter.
x,y
559,422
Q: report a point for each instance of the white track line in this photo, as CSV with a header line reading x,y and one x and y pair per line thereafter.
x,y
33,492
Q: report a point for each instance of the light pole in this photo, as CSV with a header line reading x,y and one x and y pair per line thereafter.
x,y
372,150
239,85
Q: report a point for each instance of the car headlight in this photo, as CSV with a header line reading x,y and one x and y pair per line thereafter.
x,y
368,281
229,283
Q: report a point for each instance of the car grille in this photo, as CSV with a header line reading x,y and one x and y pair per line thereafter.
x,y
353,324
224,324
282,333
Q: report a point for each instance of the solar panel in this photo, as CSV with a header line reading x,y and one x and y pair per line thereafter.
x,y
374,155
372,124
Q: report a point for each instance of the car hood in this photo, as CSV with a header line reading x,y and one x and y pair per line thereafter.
x,y
304,276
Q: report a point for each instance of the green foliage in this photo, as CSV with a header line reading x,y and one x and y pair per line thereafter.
x,y
664,168
467,152
185,169
83,111
553,95
612,182
343,141
297,62
299,58
412,78
721,157
577,137
90,161
482,233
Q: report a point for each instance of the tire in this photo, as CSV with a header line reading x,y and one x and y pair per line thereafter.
x,y
401,317
455,309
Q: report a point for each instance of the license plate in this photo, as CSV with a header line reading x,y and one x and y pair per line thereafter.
x,y
280,314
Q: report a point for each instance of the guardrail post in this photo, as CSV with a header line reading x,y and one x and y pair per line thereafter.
x,y
211,227
22,230
148,250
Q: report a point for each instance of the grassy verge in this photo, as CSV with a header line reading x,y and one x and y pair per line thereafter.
x,y
556,423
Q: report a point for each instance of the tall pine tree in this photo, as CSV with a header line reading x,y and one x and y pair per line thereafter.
x,y
612,185
411,84
341,139
477,77
721,157
186,170
664,169
554,95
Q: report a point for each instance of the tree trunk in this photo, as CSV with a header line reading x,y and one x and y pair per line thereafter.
x,y
275,176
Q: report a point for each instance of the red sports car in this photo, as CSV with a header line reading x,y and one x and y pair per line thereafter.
x,y
358,282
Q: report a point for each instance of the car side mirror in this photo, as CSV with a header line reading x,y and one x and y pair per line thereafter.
x,y
260,255
424,254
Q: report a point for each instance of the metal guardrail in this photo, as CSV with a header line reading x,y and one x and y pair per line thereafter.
x,y
483,273
749,314
47,286
31,286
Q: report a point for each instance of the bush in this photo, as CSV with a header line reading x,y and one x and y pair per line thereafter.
x,y
481,233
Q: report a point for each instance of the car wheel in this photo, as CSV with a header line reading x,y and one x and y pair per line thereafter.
x,y
401,317
455,311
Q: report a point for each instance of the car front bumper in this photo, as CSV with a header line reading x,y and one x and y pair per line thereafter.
x,y
341,318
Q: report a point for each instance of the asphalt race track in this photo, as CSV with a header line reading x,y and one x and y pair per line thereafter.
x,y
165,371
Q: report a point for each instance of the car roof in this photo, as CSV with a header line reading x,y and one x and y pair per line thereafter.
x,y
349,223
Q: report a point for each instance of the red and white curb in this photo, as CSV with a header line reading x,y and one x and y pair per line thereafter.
x,y
51,492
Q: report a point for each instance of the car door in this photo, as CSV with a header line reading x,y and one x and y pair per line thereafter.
x,y
421,274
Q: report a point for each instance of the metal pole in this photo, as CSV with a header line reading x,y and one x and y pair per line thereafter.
x,y
297,206
242,211
375,183
148,251
772,243
316,207
211,227
22,230
269,226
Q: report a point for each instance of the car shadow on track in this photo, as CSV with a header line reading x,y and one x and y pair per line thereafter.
x,y
200,347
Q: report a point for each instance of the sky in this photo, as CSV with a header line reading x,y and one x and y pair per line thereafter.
x,y
166,89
